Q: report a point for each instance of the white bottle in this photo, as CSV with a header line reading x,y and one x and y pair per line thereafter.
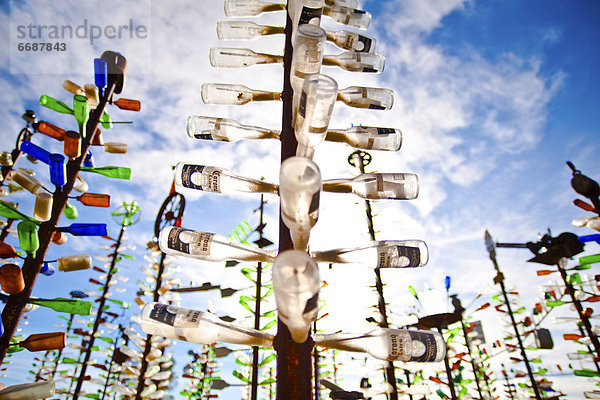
x,y
367,137
380,254
218,180
225,129
375,186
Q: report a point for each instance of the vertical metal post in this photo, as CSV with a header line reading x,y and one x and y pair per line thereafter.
x,y
448,373
507,382
474,366
255,349
110,364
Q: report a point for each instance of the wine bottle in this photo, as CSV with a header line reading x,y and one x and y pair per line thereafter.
x,y
296,286
348,16
197,327
233,94
366,97
58,170
43,342
29,391
250,8
357,62
307,57
245,30
55,105
94,199
70,306
375,186
81,112
367,137
300,188
11,279
110,172
225,130
35,151
380,254
231,57
218,180
314,112
84,229
389,344
208,246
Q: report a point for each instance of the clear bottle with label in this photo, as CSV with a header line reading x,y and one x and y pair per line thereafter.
x,y
296,286
367,137
250,8
354,61
376,186
232,57
348,16
206,246
305,12
218,180
29,391
245,30
233,94
367,97
197,327
225,129
314,112
307,57
300,189
388,344
379,254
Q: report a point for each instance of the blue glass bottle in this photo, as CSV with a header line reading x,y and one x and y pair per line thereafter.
x,y
35,151
84,229
58,170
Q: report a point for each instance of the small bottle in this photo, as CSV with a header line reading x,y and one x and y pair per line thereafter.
x,y
197,327
7,251
225,130
208,246
42,210
70,306
29,391
94,199
307,57
348,16
245,30
128,104
232,94
6,159
218,180
367,137
59,238
25,180
110,172
296,286
354,61
72,87
74,263
11,278
80,185
84,229
380,254
72,144
390,344
366,97
28,237
44,342
51,130
58,170
35,151
47,269
353,41
115,148
97,139
55,105
232,57
70,211
300,188
377,186
250,8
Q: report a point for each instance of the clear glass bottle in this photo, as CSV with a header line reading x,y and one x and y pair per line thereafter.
x,y
245,30
92,95
342,3
225,130
367,97
42,210
299,189
25,180
317,98
29,391
388,344
367,137
74,263
115,148
379,254
218,180
208,246
250,8
375,186
307,57
353,41
306,12
348,16
232,57
72,87
233,94
357,62
296,286
197,327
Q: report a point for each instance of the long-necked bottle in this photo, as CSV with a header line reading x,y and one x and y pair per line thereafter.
x,y
208,246
84,229
43,342
379,254
70,306
375,186
218,180
389,344
233,94
367,137
348,16
232,57
367,97
197,327
250,8
354,61
225,129
110,171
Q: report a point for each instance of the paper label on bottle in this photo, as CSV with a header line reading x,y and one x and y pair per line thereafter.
x,y
180,240
428,340
310,15
385,131
314,203
213,179
376,107
399,257
161,314
186,175
380,182
369,69
356,11
204,136
311,304
302,105
367,43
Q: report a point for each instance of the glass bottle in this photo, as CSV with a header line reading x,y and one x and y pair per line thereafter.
x,y
7,251
296,286
51,130
74,263
233,94
357,62
81,112
218,180
306,12
353,41
110,172
11,278
35,151
55,105
28,237
232,57
72,87
377,186
25,180
208,246
72,144
70,211
115,148
128,104
84,229
225,130
342,3
250,8
42,210
299,189
367,97
44,341
69,306
307,57
197,327
245,30
6,159
92,96
388,344
314,112
379,254
29,391
348,16
58,170
367,137
94,199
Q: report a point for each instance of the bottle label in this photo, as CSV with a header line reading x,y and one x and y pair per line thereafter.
x,y
186,175
310,16
204,136
161,314
213,179
399,257
314,203
369,69
356,11
367,43
430,346
208,178
180,240
376,107
302,105
385,131
311,304
186,318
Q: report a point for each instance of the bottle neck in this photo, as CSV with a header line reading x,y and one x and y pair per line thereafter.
x,y
337,186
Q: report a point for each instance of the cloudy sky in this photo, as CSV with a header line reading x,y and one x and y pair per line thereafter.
x,y
492,99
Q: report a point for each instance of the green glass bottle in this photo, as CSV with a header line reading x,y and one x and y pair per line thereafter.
x,y
55,105
81,112
110,172
28,237
106,121
70,306
9,211
70,211
589,259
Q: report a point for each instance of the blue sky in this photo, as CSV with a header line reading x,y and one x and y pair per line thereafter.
x,y
492,97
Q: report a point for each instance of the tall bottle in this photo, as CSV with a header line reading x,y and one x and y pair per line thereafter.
x,y
250,8
296,286
357,62
197,327
377,186
225,130
367,97
348,16
233,57
367,137
218,180
389,344
233,94
208,246
380,254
